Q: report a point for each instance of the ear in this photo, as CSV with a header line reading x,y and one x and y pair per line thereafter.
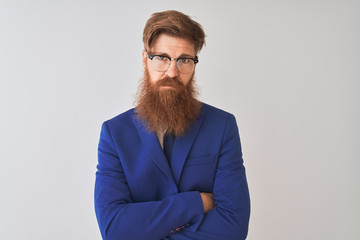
x,y
144,58
197,57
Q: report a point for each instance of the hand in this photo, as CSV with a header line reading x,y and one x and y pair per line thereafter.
x,y
208,202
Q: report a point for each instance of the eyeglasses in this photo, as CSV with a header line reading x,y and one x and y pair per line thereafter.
x,y
162,63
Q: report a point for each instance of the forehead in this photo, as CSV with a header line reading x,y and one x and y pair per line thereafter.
x,y
173,46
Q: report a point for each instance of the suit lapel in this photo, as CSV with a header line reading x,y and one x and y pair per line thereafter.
x,y
152,146
182,148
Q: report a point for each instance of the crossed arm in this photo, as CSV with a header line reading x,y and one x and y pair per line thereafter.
x,y
223,214
207,201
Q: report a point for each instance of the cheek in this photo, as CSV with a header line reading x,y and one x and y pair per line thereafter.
x,y
155,76
185,79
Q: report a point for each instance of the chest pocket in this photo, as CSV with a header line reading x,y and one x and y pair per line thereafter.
x,y
199,161
198,174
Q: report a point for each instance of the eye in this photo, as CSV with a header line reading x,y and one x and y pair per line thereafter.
x,y
160,58
183,60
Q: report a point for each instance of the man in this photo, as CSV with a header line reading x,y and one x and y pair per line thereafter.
x,y
172,167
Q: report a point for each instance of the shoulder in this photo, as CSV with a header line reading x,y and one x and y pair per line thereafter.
x,y
217,118
122,121
122,116
215,113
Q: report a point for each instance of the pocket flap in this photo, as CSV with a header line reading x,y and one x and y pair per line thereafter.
x,y
199,161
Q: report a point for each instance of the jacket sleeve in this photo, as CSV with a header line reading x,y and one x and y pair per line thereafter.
x,y
230,217
119,217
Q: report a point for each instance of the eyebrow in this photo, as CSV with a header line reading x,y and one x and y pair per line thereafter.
x,y
184,55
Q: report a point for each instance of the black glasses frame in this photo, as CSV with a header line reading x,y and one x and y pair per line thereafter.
x,y
151,56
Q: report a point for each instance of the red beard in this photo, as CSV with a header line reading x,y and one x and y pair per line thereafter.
x,y
173,108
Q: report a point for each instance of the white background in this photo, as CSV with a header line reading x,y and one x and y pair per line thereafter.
x,y
288,70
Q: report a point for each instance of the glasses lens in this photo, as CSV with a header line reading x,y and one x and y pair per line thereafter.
x,y
160,64
185,65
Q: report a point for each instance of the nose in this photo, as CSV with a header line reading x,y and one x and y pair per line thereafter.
x,y
172,71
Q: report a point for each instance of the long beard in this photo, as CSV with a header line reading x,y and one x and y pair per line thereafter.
x,y
173,108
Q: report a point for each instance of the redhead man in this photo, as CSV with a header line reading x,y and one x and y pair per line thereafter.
x,y
172,167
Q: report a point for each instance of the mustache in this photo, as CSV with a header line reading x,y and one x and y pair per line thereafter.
x,y
172,82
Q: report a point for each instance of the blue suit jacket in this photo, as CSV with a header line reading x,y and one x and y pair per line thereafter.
x,y
139,195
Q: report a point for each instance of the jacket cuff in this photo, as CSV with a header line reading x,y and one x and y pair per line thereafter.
x,y
196,222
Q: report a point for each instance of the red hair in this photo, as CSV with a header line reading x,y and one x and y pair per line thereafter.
x,y
174,24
